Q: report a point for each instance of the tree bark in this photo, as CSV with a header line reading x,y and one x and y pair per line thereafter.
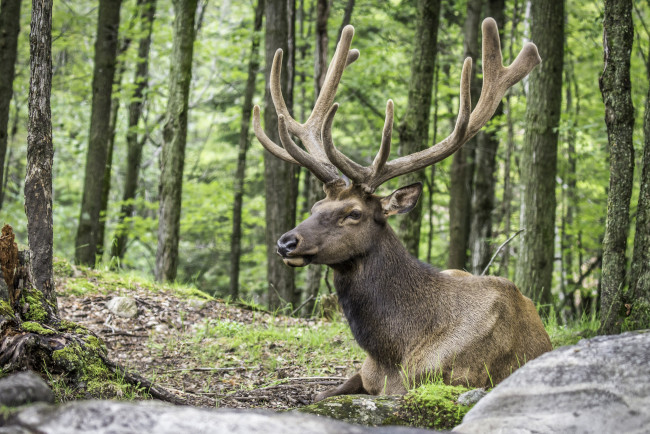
x,y
569,241
108,23
615,87
280,177
483,195
414,128
510,147
462,165
108,170
9,28
639,291
244,141
539,153
147,15
40,153
432,173
174,139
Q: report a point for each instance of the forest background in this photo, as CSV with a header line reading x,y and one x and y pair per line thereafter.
x,y
225,32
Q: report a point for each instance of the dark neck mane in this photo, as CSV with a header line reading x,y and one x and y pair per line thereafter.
x,y
384,297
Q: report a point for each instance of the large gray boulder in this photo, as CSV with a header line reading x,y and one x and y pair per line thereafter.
x,y
99,417
600,385
24,388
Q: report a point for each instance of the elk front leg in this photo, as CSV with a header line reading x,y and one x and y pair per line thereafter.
x,y
352,385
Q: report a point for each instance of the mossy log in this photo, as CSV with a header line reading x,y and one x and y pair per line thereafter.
x,y
33,337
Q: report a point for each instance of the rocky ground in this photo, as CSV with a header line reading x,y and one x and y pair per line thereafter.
x,y
154,343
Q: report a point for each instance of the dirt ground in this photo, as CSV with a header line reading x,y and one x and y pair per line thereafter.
x,y
152,344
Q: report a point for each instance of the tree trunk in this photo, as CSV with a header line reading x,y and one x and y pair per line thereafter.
x,y
539,153
314,190
569,241
174,139
40,153
9,28
244,140
462,165
108,23
414,127
147,15
483,195
639,291
280,177
510,147
615,86
112,125
432,173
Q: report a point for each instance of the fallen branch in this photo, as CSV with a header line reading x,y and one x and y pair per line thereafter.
x,y
136,379
239,368
313,378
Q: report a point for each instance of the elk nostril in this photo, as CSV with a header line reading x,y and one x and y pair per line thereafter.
x,y
287,244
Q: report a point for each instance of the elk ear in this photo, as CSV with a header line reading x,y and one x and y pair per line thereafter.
x,y
401,200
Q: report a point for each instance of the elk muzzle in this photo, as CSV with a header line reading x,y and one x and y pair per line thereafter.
x,y
290,248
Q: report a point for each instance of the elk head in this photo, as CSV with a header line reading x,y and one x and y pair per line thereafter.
x,y
346,223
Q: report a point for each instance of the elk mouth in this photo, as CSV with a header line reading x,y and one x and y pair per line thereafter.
x,y
297,261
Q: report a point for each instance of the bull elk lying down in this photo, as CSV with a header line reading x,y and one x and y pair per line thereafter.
x,y
411,319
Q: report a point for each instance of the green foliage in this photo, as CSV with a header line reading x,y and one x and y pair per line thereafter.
x,y
384,35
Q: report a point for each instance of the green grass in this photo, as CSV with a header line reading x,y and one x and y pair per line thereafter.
x,y
273,344
572,332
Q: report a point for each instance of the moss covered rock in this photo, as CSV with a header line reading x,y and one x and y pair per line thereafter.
x,y
359,409
434,406
429,406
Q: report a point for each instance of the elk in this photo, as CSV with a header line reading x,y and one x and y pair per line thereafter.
x,y
411,320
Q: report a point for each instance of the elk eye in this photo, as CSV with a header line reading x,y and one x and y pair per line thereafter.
x,y
354,215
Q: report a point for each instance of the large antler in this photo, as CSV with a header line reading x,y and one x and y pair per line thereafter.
x,y
497,79
309,133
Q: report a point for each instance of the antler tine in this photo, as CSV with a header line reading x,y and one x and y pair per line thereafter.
x,y
322,170
309,133
343,56
386,136
276,91
411,163
356,172
269,144
497,79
